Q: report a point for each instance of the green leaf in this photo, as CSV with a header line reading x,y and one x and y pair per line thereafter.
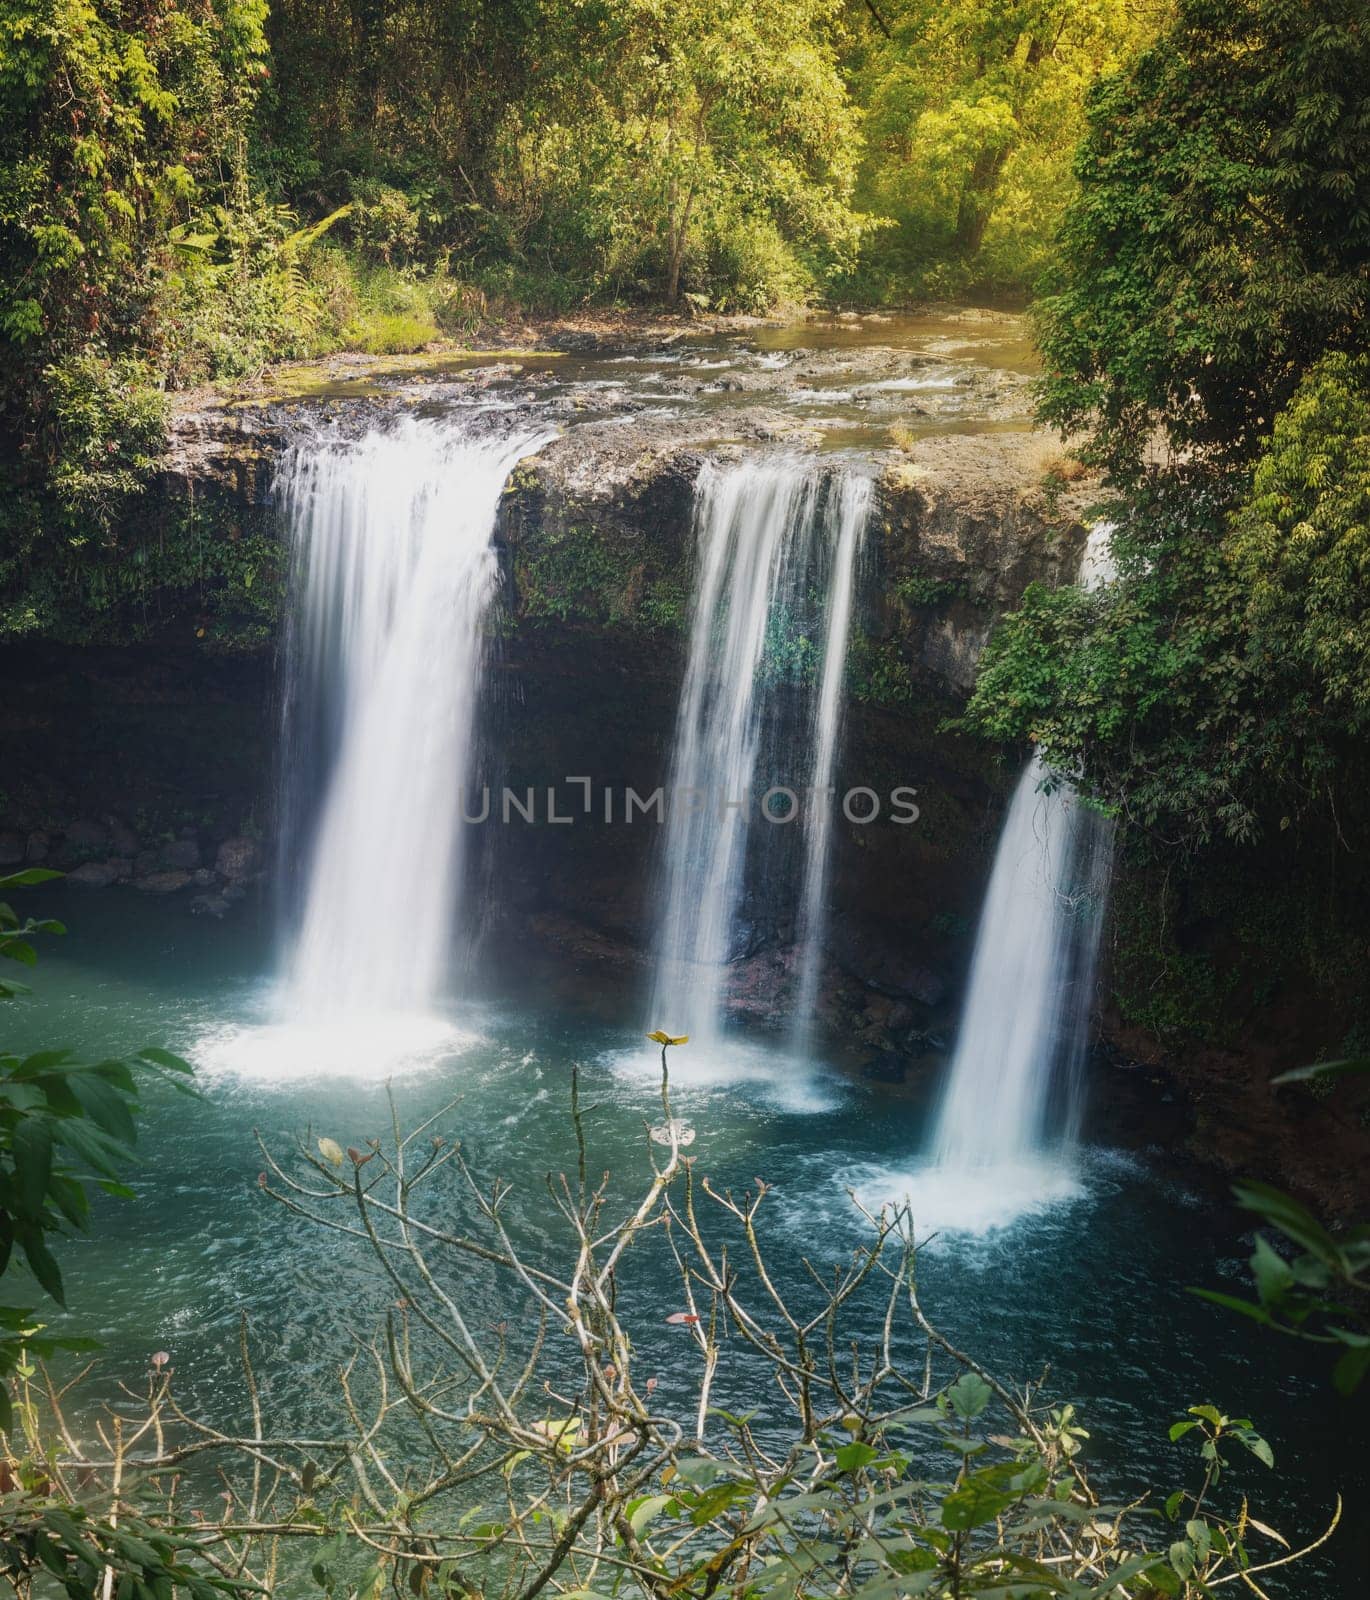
x,y
164,1058
106,1107
92,1146
31,1148
969,1395
71,1199
645,1511
1273,1275
1350,1370
1292,1219
981,1497
40,1260
852,1457
1229,1302
715,1499
68,1530
43,1061
1257,1446
1165,1580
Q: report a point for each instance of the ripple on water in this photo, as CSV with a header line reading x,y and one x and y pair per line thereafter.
x,y
908,385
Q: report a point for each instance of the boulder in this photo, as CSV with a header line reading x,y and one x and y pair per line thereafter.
x,y
122,839
238,859
86,835
181,855
37,848
162,882
94,874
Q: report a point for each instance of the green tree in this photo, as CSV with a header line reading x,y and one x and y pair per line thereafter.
x,y
973,111
1299,547
1215,698
697,145
1222,685
116,125
1220,239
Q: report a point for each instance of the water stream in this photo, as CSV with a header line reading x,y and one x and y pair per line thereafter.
x,y
1025,1023
773,536
392,574
1006,1130
850,511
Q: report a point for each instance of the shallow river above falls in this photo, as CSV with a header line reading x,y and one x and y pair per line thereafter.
x,y
1093,1285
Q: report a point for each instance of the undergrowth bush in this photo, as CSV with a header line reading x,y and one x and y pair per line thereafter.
x,y
108,424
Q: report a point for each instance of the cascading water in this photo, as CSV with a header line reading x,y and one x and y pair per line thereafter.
x,y
392,575
1026,1018
766,532
851,512
1013,1099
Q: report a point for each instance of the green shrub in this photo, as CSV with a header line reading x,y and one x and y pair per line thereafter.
x,y
108,426
384,224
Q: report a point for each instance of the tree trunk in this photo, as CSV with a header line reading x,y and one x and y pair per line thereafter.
x,y
982,186
977,198
678,234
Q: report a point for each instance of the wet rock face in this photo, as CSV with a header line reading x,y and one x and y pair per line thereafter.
x,y
125,765
84,850
98,874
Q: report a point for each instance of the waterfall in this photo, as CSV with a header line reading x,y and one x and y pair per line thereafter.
x,y
1025,1025
768,534
1014,1089
392,575
851,512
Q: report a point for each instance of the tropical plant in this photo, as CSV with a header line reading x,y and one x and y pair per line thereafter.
x,y
65,1127
1321,1295
1220,237
973,112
